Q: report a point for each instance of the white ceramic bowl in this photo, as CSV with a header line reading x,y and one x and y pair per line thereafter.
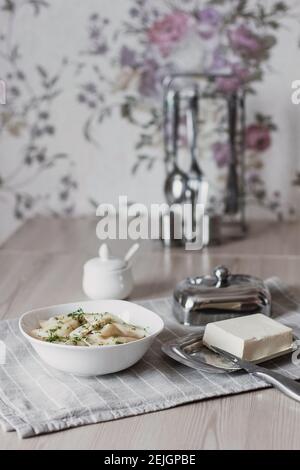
x,y
93,360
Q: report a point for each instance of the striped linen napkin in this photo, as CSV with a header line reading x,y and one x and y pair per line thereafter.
x,y
36,399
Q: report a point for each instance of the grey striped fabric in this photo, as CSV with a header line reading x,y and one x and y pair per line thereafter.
x,y
36,399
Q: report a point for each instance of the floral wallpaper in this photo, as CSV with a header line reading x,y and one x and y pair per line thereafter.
x,y
82,120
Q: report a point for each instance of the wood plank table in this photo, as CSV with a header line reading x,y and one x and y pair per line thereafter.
x,y
41,264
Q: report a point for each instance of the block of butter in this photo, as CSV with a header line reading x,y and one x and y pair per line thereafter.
x,y
251,338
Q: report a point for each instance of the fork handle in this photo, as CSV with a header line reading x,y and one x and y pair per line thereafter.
x,y
286,385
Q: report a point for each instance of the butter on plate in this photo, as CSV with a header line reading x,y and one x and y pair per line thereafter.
x,y
251,338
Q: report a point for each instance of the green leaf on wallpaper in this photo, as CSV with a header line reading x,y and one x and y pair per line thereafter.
x,y
145,141
50,96
93,203
14,53
257,75
52,82
140,159
105,112
280,7
87,131
261,118
216,2
9,6
143,158
250,90
42,71
125,110
134,168
60,155
269,41
150,164
296,180
38,5
261,12
273,24
241,6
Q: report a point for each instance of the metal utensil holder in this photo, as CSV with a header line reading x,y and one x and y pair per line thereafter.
x,y
233,217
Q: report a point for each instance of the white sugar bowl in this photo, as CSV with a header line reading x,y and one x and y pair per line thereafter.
x,y
108,277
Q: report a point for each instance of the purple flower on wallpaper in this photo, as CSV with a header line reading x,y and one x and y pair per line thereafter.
x,y
221,153
95,33
219,60
230,84
244,41
134,12
90,88
240,71
148,78
258,137
97,36
101,49
168,31
209,21
128,57
253,177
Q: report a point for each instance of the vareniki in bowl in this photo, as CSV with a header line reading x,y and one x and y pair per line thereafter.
x,y
93,360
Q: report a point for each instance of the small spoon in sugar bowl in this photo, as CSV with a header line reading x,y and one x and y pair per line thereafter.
x,y
131,252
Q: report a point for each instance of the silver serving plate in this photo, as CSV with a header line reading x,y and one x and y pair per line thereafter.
x,y
190,351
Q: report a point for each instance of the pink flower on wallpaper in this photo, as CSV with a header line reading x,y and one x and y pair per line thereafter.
x,y
219,61
258,137
241,72
244,41
149,78
165,33
230,84
221,153
209,21
253,177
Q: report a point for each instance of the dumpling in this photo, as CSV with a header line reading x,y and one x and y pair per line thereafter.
x,y
129,330
96,338
40,333
81,331
123,339
62,324
111,329
99,319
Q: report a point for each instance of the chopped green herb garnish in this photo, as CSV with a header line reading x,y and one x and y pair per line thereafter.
x,y
77,312
53,330
52,338
78,315
75,340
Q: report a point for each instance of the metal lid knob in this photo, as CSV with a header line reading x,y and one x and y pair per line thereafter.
x,y
222,274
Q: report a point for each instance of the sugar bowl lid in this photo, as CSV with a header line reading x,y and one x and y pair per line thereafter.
x,y
105,261
201,299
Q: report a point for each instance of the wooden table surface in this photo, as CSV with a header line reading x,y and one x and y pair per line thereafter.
x,y
42,264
